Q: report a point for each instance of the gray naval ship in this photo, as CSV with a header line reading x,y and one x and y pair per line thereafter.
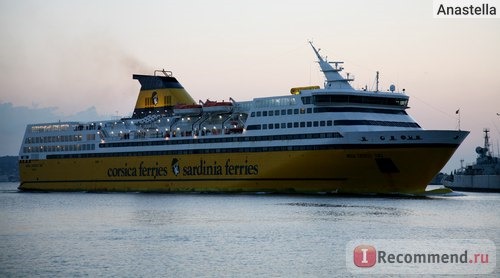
x,y
483,176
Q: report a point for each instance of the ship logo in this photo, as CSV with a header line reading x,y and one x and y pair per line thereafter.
x,y
175,166
154,97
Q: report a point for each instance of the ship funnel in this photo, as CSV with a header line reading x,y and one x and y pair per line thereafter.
x,y
159,94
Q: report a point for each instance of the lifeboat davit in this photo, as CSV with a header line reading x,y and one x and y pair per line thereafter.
x,y
187,109
217,106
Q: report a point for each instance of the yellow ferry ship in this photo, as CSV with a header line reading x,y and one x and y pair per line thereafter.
x,y
334,139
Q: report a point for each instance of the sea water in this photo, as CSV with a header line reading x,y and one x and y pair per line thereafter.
x,y
220,235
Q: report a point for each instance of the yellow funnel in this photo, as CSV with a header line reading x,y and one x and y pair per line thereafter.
x,y
159,94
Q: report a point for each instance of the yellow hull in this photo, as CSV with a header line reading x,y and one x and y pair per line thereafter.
x,y
404,170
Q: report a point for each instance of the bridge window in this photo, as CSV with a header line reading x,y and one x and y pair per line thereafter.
x,y
306,100
377,100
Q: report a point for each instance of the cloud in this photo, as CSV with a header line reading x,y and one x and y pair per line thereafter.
x,y
13,121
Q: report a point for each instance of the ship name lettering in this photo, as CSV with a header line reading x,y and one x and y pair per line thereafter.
x,y
402,137
122,172
143,171
155,171
204,168
245,169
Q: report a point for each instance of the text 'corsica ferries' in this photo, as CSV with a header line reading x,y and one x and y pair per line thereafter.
x,y
315,140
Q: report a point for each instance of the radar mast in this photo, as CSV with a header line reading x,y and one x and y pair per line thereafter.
x,y
332,73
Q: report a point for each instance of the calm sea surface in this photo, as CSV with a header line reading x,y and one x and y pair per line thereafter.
x,y
212,235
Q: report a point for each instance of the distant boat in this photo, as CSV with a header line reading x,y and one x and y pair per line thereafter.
x,y
484,175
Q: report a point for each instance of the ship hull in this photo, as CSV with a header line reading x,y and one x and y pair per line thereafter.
x,y
475,183
367,170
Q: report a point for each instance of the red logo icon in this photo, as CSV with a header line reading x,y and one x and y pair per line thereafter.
x,y
365,256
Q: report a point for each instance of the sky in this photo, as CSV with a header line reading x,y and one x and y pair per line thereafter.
x,y
74,60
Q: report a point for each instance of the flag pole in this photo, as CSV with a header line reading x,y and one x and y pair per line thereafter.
x,y
458,113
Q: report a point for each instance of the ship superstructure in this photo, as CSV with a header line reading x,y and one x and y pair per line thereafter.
x,y
330,139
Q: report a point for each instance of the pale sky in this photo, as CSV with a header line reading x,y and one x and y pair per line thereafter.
x,y
73,57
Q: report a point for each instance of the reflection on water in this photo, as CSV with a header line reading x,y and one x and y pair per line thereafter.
x,y
342,210
117,234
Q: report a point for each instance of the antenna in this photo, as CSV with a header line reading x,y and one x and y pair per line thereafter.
x,y
487,140
316,51
376,86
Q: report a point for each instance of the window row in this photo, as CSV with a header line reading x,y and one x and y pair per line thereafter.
x,y
374,100
290,125
297,111
222,140
280,112
330,123
55,139
199,151
380,123
61,148
50,127
277,101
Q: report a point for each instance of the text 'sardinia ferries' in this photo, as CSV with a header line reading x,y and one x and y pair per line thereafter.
x,y
331,139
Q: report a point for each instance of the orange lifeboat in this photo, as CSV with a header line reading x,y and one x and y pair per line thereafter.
x,y
187,109
217,106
